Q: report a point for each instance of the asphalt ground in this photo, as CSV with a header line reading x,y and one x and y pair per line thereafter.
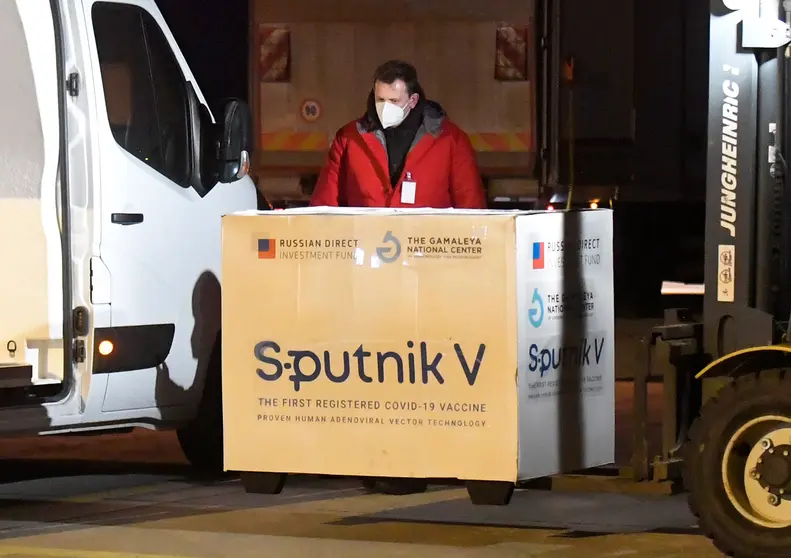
x,y
133,496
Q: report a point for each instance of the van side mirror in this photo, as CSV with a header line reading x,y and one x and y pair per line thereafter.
x,y
234,142
220,152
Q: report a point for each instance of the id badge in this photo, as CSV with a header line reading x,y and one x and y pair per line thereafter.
x,y
408,189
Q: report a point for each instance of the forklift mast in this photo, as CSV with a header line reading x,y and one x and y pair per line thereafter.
x,y
747,240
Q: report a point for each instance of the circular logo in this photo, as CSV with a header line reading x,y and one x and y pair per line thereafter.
x,y
536,314
310,110
391,249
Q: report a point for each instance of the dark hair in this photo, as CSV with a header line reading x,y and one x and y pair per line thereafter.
x,y
393,70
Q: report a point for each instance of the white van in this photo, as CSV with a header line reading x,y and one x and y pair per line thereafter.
x,y
113,180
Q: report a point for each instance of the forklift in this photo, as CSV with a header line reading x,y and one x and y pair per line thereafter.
x,y
732,380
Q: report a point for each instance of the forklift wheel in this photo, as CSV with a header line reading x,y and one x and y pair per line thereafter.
x,y
395,486
737,466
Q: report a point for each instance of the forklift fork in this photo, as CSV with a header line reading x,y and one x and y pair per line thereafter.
x,y
683,334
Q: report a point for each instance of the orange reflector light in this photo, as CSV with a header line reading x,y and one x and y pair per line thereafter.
x,y
105,347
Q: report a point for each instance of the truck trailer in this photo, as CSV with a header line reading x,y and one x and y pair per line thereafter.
x,y
312,64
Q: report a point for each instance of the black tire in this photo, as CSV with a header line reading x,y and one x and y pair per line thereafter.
x,y
202,439
263,483
737,403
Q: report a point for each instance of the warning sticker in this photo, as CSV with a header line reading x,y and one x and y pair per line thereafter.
x,y
725,273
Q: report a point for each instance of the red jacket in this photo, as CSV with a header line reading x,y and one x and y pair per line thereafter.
x,y
441,162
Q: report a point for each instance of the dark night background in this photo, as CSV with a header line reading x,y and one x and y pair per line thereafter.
x,y
212,35
641,113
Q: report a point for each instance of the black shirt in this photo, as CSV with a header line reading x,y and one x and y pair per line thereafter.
x,y
399,139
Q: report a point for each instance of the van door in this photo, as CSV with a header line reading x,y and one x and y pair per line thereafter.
x,y
160,239
36,214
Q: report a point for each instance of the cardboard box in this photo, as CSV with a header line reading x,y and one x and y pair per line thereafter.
x,y
418,343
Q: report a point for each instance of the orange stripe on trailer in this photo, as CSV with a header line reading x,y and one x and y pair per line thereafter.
x,y
521,141
497,142
478,143
295,141
316,141
271,141
486,142
501,142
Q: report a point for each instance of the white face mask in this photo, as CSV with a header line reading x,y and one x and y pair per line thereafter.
x,y
390,114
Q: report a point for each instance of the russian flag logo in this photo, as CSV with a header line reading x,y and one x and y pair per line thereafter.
x,y
538,255
266,248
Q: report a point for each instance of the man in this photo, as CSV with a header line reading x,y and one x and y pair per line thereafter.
x,y
404,152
